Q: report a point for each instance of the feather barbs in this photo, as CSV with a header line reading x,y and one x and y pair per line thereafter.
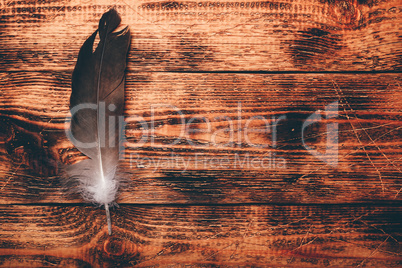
x,y
96,107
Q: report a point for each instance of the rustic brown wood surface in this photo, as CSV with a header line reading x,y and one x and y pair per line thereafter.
x,y
162,172
211,185
148,236
300,35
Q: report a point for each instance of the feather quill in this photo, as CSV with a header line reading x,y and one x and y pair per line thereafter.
x,y
96,106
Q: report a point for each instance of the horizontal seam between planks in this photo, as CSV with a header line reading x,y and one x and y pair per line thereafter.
x,y
226,72
357,204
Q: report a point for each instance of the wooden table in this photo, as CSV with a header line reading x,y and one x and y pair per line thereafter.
x,y
207,188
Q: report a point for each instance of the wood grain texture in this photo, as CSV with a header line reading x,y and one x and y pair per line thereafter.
x,y
211,186
274,236
308,35
206,164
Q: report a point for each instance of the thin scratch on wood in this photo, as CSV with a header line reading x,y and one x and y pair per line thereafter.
x,y
11,177
216,252
379,229
332,231
325,133
364,129
242,241
304,238
345,155
396,195
338,93
6,5
364,246
372,253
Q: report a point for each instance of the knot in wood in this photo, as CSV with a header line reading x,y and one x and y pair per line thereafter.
x,y
346,12
114,247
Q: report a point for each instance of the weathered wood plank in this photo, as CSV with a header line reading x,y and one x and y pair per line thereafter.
x,y
207,165
308,35
275,236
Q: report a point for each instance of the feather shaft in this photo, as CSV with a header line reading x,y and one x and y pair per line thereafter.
x,y
108,219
